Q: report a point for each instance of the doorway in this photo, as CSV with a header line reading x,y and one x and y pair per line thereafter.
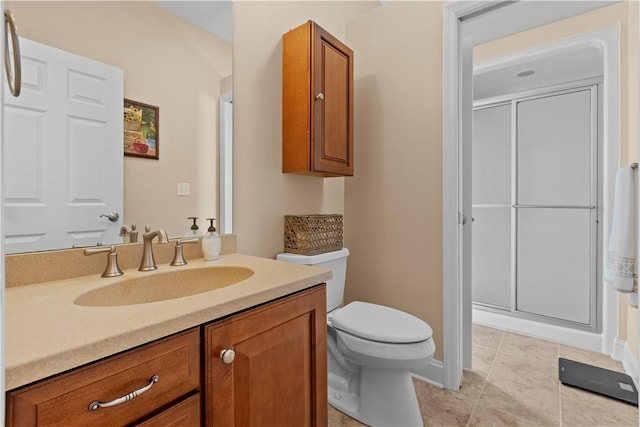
x,y
503,19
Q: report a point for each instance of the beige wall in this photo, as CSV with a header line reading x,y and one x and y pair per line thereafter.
x,y
625,15
263,194
393,204
168,63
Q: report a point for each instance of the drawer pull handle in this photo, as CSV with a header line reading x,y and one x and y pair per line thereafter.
x,y
227,356
94,406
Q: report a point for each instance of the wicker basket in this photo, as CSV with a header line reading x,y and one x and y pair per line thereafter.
x,y
312,234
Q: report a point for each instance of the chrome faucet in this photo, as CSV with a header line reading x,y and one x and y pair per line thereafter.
x,y
148,263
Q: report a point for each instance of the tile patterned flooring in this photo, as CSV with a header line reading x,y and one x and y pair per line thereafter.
x,y
514,382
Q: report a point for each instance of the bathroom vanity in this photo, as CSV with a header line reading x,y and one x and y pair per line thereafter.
x,y
249,353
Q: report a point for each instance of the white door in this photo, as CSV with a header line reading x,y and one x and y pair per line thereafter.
x,y
63,153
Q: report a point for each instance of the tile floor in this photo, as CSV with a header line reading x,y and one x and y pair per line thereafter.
x,y
514,382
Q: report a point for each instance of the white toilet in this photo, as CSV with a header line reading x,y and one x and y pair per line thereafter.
x,y
372,351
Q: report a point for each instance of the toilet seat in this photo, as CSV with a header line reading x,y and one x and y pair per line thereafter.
x,y
380,324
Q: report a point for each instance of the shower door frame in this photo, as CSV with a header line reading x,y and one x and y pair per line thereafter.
x,y
594,86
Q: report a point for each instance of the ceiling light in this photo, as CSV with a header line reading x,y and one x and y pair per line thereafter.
x,y
525,73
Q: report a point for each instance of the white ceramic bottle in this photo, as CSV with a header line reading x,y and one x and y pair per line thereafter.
x,y
211,242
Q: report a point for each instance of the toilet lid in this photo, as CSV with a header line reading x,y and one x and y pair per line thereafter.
x,y
378,323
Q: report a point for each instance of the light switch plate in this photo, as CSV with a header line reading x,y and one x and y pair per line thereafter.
x,y
184,189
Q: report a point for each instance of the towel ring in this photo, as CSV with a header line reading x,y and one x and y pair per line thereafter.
x,y
14,77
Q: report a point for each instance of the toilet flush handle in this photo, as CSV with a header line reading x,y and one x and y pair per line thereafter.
x,y
227,356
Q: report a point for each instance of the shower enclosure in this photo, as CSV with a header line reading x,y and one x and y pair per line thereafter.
x,y
536,199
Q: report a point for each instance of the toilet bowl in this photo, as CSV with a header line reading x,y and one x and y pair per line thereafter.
x,y
372,350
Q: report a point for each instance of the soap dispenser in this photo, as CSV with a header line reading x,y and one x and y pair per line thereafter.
x,y
193,231
211,242
133,234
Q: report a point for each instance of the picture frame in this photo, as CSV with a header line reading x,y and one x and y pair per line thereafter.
x,y
141,130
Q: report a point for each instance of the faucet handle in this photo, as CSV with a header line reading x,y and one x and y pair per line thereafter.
x,y
178,258
112,269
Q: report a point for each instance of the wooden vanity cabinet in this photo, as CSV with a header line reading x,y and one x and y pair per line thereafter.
x,y
64,399
278,375
317,103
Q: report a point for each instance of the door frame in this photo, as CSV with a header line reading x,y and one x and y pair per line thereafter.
x,y
456,286
3,83
225,163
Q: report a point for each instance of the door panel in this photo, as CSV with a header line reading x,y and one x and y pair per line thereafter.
x,y
491,261
491,181
554,150
492,155
332,136
554,263
336,105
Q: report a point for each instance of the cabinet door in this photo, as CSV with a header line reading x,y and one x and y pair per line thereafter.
x,y
332,92
279,374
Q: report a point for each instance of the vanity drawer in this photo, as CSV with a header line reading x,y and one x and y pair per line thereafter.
x,y
64,400
183,414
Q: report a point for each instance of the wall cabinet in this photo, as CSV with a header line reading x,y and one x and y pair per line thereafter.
x,y
317,103
274,373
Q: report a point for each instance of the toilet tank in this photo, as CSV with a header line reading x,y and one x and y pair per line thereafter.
x,y
335,261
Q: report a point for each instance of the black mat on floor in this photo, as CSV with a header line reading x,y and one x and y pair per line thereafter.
x,y
616,385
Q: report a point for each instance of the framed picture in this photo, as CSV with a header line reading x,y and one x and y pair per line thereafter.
x,y
141,126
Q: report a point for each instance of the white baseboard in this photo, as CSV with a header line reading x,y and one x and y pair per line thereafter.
x,y
622,353
581,339
434,373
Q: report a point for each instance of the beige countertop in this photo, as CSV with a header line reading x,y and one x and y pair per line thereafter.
x,y
46,333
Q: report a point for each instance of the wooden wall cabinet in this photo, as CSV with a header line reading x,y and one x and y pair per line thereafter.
x,y
277,377
317,103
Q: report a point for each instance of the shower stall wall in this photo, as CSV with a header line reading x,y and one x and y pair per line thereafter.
x,y
535,207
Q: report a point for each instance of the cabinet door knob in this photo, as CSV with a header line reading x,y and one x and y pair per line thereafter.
x,y
227,355
320,96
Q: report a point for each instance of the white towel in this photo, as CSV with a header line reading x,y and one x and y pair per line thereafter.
x,y
621,256
633,299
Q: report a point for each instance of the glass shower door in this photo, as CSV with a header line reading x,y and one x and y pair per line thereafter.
x,y
555,208
491,194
